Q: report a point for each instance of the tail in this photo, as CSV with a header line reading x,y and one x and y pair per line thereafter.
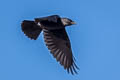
x,y
31,29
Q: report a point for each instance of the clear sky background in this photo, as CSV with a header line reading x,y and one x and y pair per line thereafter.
x,y
95,40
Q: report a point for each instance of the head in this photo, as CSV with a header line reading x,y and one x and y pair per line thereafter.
x,y
67,22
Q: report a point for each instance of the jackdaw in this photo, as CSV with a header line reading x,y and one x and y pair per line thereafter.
x,y
55,37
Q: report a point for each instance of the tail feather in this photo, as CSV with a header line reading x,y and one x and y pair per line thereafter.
x,y
31,29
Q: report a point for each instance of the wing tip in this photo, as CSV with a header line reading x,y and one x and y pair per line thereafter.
x,y
73,69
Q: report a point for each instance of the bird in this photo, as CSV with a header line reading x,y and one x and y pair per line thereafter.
x,y
55,37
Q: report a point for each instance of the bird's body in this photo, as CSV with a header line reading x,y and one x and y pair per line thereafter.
x,y
50,22
55,37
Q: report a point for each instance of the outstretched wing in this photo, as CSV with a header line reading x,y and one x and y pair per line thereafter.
x,y
58,43
30,29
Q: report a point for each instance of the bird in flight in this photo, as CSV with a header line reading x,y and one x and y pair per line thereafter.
x,y
55,37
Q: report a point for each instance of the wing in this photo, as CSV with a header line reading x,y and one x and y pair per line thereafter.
x,y
51,22
58,43
30,29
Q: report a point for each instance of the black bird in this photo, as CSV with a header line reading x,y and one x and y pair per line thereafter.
x,y
55,37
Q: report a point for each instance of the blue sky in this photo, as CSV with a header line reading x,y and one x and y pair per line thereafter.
x,y
95,40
